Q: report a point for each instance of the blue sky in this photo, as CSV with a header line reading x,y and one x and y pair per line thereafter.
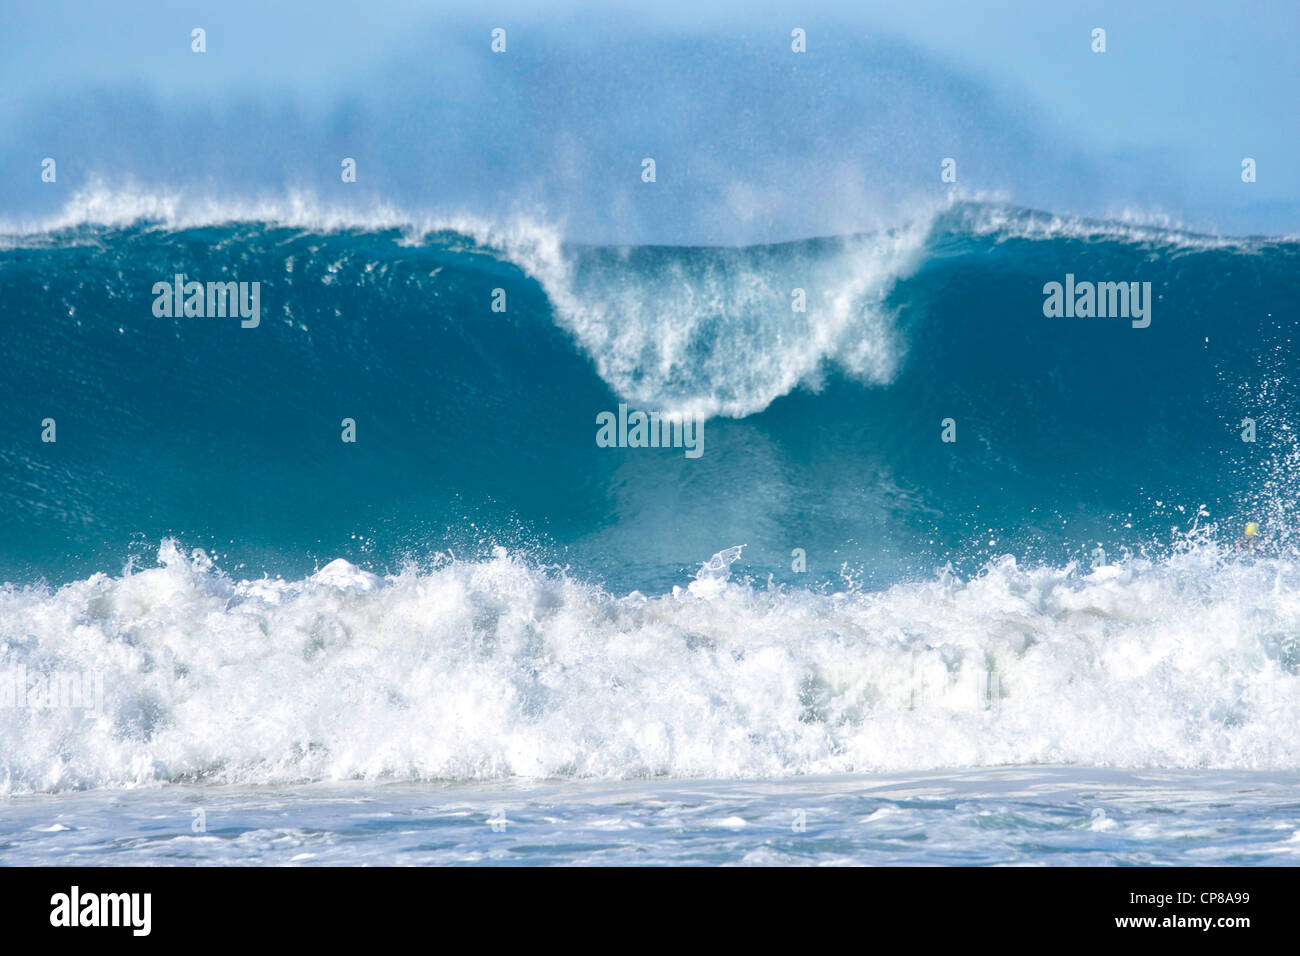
x,y
752,143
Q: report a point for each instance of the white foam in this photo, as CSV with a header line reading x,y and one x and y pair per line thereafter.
x,y
478,670
100,205
1002,220
707,332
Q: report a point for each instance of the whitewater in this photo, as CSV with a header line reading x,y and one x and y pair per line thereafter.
x,y
496,669
494,711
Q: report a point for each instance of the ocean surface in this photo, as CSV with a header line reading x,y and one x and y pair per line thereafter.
x,y
1044,642
1053,816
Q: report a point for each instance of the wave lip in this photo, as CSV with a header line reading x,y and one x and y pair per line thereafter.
x,y
1002,221
100,205
480,670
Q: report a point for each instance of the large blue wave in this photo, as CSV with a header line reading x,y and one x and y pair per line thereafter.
x,y
477,427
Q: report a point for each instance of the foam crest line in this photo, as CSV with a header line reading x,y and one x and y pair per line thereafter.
x,y
975,214
478,670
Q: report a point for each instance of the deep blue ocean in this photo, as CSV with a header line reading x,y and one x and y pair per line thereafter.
x,y
476,428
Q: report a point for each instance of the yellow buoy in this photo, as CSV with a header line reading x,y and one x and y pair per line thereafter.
x,y
1251,529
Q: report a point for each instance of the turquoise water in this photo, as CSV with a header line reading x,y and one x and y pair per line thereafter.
x,y
477,428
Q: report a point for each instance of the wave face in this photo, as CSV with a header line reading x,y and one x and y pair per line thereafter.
x,y
449,595
477,427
